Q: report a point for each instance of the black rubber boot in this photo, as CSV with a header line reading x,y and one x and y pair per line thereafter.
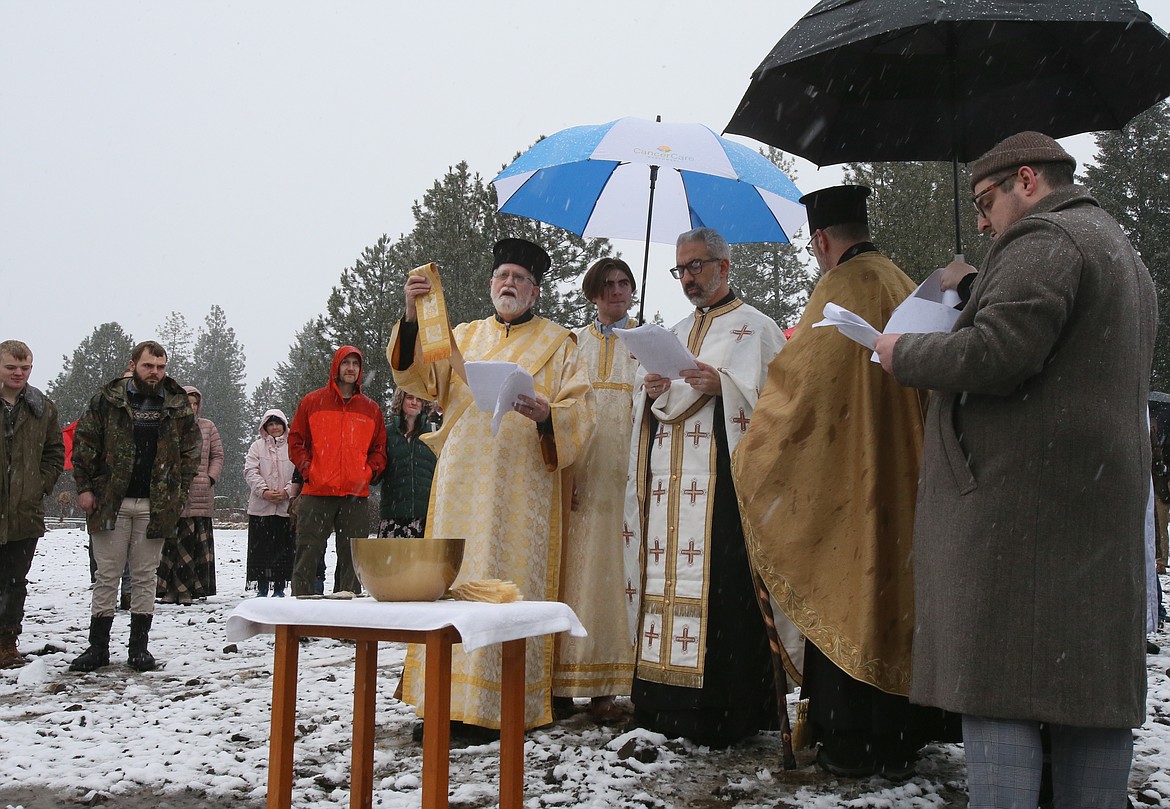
x,y
139,635
139,658
98,653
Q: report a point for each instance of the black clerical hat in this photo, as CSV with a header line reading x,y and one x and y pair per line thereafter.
x,y
523,252
836,205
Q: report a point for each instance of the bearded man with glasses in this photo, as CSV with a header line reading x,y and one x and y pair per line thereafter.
x,y
504,493
1028,538
703,668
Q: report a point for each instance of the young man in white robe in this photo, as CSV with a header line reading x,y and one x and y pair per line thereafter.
x,y
593,582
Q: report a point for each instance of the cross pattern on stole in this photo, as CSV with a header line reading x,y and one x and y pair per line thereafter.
x,y
742,332
651,636
686,639
627,534
690,552
656,551
694,491
697,433
658,493
630,591
660,436
742,420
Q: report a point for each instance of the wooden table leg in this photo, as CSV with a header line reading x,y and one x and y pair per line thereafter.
x,y
284,717
437,727
365,686
512,725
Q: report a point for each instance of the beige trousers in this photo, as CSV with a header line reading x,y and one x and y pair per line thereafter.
x,y
113,549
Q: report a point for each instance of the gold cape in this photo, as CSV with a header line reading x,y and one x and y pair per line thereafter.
x,y
827,477
498,493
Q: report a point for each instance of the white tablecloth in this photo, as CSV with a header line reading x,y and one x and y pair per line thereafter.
x,y
479,624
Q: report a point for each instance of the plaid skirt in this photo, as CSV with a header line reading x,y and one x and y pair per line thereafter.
x,y
187,568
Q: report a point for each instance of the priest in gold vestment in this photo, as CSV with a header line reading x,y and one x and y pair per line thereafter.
x,y
704,668
827,477
505,493
600,666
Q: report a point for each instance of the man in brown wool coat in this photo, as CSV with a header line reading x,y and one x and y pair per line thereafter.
x,y
1028,540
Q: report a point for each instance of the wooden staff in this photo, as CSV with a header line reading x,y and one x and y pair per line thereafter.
x,y
781,677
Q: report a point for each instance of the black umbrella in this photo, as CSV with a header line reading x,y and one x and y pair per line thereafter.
x,y
897,80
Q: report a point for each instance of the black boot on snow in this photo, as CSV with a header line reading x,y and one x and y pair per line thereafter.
x,y
98,653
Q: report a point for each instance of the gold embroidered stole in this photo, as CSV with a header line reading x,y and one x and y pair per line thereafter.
x,y
434,331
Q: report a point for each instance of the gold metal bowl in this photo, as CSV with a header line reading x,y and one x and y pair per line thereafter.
x,y
393,569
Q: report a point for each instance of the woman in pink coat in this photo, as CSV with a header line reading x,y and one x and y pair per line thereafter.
x,y
268,473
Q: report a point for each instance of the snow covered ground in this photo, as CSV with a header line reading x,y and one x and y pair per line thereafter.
x,y
195,732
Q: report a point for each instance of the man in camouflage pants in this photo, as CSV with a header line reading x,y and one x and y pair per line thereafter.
x,y
135,452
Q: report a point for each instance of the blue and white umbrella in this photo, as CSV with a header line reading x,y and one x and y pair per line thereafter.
x,y
637,179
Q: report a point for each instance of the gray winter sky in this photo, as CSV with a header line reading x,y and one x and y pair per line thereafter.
x,y
159,157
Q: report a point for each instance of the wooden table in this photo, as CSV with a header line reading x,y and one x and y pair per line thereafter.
x,y
437,626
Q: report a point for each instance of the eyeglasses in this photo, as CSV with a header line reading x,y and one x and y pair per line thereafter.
x,y
693,267
515,278
808,248
977,200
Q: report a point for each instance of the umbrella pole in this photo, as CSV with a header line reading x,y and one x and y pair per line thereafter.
x,y
952,49
646,255
955,180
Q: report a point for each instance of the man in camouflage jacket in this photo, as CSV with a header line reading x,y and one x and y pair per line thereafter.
x,y
135,452
31,456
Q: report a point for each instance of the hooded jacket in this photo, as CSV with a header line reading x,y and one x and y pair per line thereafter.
x,y
103,457
29,466
339,446
268,469
201,497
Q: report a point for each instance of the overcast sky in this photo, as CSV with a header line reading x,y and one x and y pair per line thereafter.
x,y
159,157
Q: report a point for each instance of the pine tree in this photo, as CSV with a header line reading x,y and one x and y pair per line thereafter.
x,y
455,226
307,367
912,214
101,357
219,376
177,338
363,309
263,399
1131,180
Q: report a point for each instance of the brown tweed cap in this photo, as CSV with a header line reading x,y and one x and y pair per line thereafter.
x,y
1021,149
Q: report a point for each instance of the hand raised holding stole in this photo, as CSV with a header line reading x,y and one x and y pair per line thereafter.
x,y
434,330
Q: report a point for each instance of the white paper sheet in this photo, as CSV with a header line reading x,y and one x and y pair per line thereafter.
x,y
495,386
855,327
928,309
658,350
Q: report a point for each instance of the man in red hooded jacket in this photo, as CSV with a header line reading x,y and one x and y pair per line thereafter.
x,y
338,443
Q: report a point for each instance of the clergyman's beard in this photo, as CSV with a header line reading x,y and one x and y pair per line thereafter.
x,y
699,297
508,307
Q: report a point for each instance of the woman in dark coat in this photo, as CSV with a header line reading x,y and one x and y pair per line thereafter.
x,y
410,466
